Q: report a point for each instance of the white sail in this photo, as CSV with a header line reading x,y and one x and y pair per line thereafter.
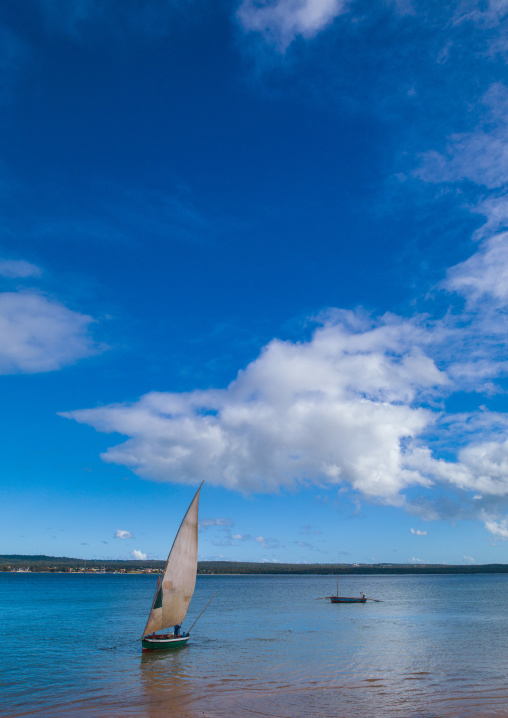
x,y
176,585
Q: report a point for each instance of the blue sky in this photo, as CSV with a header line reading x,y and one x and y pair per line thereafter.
x,y
263,245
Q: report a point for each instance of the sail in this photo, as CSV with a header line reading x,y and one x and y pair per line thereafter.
x,y
176,585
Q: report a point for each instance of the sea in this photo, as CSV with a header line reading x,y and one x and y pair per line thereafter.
x,y
434,646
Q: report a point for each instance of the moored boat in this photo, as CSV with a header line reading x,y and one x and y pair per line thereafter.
x,y
346,599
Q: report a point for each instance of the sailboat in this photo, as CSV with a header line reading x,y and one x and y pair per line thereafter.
x,y
175,586
346,599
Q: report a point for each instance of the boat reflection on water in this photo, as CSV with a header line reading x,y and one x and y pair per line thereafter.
x,y
166,686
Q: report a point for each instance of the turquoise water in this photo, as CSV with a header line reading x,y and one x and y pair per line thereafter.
x,y
436,646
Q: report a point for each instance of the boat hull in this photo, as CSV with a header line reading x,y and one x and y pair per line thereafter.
x,y
345,599
163,644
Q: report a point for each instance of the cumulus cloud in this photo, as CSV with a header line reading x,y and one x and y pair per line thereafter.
x,y
418,532
38,334
358,405
351,406
18,268
282,21
119,533
138,555
337,409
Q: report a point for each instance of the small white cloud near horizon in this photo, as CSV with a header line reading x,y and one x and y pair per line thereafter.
x,y
498,528
208,523
417,532
138,555
18,269
119,533
269,542
280,22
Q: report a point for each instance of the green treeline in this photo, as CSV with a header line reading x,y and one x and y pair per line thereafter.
x,y
61,563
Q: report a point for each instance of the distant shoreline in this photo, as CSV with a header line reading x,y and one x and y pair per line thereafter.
x,y
62,564
129,574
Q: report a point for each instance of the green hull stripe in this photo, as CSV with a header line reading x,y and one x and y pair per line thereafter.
x,y
163,645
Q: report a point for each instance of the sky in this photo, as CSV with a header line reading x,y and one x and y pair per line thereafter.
x,y
261,244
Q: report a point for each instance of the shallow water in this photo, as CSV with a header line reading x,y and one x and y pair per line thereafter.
x,y
437,646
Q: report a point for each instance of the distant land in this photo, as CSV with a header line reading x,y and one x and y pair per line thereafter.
x,y
59,564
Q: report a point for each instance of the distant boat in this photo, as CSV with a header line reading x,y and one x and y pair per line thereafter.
x,y
175,586
346,599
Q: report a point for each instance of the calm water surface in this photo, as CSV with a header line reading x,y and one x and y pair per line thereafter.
x,y
437,646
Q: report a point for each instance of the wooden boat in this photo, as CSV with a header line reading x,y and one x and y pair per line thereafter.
x,y
346,599
175,587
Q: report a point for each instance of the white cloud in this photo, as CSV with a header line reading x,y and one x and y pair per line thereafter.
x,y
359,405
344,408
468,558
138,555
282,21
337,409
485,273
38,334
498,528
480,156
18,268
119,533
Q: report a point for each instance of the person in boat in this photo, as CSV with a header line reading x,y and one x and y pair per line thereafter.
x,y
177,630
362,594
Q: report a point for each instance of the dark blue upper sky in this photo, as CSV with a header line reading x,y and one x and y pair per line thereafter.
x,y
262,243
